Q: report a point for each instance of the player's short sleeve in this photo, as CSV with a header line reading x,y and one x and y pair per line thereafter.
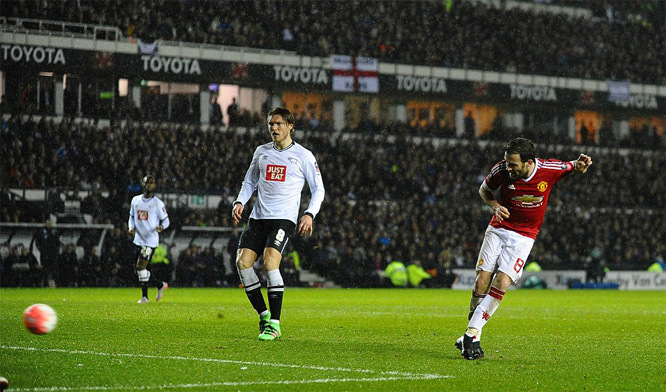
x,y
494,178
558,168
162,212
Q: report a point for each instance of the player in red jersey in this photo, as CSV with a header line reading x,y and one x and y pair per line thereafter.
x,y
517,191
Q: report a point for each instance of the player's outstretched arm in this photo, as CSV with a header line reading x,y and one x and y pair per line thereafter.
x,y
582,163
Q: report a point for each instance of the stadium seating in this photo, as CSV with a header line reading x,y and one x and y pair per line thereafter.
x,y
394,192
625,42
385,200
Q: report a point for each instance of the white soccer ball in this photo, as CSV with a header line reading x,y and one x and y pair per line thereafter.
x,y
40,319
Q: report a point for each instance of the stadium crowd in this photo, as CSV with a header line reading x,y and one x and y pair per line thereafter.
x,y
389,197
623,40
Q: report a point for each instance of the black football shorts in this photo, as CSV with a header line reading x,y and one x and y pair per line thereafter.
x,y
267,233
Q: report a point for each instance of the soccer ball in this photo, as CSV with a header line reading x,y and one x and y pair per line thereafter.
x,y
40,319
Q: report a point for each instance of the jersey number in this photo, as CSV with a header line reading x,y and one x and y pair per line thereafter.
x,y
519,265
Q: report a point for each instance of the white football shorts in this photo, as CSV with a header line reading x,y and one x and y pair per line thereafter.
x,y
504,250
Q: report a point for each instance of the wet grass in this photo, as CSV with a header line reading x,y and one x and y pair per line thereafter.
x,y
334,340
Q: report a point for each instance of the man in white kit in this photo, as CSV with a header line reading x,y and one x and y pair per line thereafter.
x,y
278,171
147,218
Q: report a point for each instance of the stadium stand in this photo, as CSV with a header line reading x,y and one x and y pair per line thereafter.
x,y
466,34
395,190
392,197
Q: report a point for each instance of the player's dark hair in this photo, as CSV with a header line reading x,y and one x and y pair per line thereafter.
x,y
523,147
287,115
145,180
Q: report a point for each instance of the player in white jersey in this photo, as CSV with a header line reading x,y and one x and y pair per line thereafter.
x,y
147,218
278,172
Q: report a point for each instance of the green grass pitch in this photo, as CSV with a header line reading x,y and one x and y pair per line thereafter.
x,y
334,340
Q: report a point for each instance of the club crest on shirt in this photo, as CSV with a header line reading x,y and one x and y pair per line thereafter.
x,y
276,173
480,263
542,186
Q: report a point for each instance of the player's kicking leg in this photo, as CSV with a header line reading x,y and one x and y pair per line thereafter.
x,y
471,340
481,288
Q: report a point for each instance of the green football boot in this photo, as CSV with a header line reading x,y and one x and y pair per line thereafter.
x,y
271,332
263,321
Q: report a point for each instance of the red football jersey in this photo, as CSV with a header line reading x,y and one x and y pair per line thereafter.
x,y
526,198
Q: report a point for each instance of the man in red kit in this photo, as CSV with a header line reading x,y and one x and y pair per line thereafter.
x,y
517,191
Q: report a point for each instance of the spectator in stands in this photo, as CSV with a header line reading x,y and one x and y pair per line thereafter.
x,y
160,265
186,266
47,241
113,263
216,112
68,266
93,272
233,113
595,267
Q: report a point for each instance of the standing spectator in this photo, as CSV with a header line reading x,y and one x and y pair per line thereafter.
x,y
523,183
470,126
35,269
233,113
160,264
215,112
595,267
584,133
209,264
47,240
111,263
147,218
68,267
277,172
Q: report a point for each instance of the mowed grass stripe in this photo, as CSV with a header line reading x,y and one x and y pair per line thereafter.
x,y
536,341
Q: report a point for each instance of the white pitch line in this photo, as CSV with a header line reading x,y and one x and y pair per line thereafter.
x,y
228,361
229,383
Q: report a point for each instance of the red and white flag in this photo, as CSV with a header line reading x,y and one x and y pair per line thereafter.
x,y
355,74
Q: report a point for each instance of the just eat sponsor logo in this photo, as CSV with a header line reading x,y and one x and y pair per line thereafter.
x,y
276,173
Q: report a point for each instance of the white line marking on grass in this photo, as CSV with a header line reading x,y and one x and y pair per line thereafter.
x,y
229,361
230,383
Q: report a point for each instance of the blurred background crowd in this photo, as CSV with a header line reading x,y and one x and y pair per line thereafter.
x,y
389,196
395,192
434,33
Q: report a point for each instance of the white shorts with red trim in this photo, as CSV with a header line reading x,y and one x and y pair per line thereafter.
x,y
504,250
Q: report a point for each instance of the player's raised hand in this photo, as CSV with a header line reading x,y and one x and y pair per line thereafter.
x,y
582,163
305,225
237,213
